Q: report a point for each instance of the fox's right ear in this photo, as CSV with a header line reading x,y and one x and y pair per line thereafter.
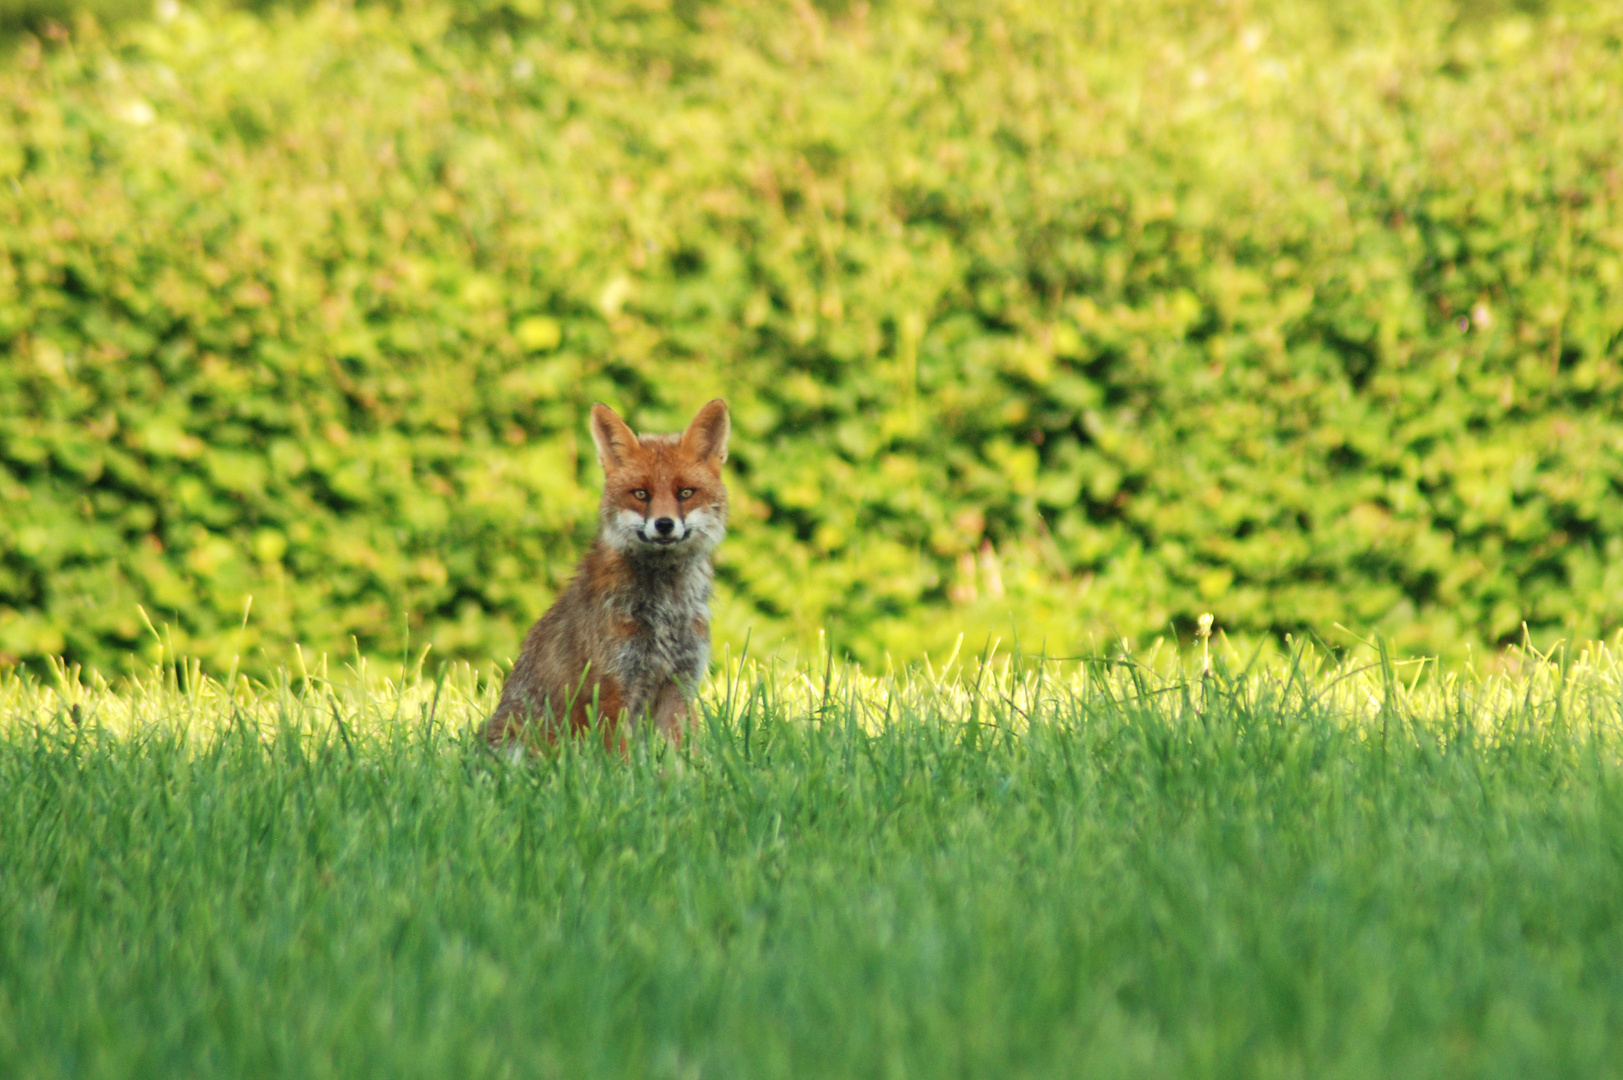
x,y
615,442
707,434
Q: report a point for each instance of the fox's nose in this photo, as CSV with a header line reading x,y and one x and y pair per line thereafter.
x,y
664,526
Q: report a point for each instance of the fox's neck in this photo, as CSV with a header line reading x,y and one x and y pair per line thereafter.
x,y
682,575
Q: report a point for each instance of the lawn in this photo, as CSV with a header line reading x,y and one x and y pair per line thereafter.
x,y
1107,868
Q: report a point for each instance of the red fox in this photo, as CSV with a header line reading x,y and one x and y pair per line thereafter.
x,y
630,636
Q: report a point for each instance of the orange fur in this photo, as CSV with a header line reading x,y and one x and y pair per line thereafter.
x,y
629,639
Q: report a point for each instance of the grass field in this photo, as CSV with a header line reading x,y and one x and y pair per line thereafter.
x,y
1012,869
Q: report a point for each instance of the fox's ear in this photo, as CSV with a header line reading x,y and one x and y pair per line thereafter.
x,y
615,442
707,435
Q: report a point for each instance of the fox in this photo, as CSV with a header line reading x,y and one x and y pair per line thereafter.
x,y
628,641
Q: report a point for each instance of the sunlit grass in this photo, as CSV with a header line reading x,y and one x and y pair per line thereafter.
x,y
1579,689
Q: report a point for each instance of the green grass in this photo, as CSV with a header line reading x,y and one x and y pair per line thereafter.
x,y
1009,870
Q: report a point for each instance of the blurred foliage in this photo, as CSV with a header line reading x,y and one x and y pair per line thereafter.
x,y
1048,319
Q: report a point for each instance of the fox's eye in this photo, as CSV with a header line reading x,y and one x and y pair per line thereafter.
x,y
685,493
640,493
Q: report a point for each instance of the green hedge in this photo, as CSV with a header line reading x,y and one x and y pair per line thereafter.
x,y
1056,320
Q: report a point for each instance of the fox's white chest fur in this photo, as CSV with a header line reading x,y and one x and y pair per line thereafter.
x,y
672,598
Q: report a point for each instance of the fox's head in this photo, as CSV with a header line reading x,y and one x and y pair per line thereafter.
x,y
663,494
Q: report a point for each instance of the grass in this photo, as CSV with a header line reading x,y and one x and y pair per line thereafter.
x,y
1000,869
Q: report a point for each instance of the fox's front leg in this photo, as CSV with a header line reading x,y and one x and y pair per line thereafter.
x,y
672,712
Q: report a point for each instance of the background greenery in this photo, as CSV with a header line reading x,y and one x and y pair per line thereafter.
x,y
1057,319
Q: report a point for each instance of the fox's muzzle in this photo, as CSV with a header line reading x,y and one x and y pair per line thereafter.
x,y
663,530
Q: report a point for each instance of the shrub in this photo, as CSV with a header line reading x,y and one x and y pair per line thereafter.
x,y
1058,320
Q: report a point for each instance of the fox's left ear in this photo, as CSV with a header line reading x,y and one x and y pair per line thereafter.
x,y
615,442
707,435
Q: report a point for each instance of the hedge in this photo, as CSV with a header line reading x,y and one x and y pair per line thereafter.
x,y
1061,322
